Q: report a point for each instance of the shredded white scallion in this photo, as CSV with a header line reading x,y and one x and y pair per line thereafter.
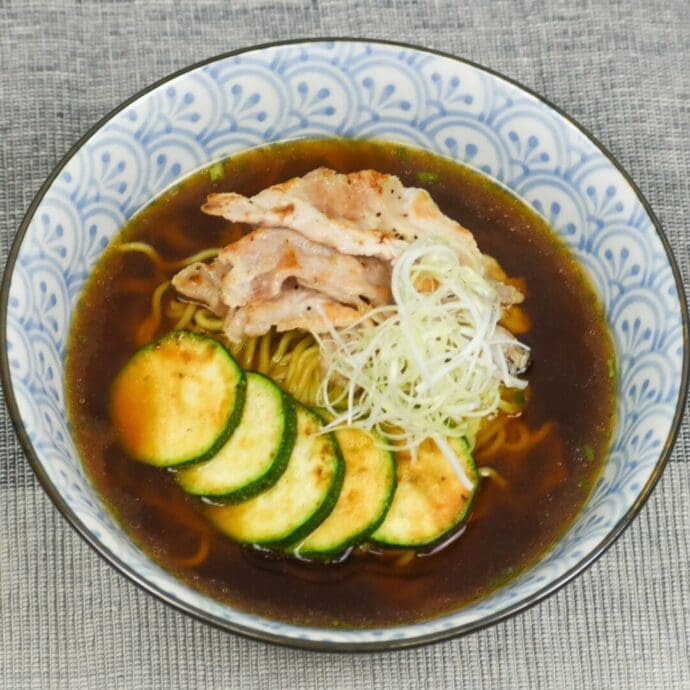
x,y
430,365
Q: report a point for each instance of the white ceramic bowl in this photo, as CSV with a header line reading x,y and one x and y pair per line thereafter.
x,y
350,89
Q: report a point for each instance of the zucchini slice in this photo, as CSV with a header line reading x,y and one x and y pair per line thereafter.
x,y
177,400
429,500
257,452
303,496
364,499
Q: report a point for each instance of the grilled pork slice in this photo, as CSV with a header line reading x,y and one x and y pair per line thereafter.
x,y
365,213
294,308
202,283
257,267
264,264
323,250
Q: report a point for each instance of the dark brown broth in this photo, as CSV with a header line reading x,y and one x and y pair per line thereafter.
x,y
569,385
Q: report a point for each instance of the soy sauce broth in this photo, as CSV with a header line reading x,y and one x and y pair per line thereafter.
x,y
510,526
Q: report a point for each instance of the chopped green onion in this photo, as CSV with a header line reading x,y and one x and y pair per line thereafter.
x,y
589,453
519,397
216,172
431,364
611,364
426,177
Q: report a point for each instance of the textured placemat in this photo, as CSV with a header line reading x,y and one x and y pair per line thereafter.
x,y
621,68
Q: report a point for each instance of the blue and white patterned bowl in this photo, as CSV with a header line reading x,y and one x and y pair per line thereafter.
x,y
350,89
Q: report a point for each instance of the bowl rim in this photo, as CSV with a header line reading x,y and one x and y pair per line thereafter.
x,y
320,645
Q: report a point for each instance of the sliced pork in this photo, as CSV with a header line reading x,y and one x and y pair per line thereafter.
x,y
265,259
202,283
300,307
322,249
363,213
266,264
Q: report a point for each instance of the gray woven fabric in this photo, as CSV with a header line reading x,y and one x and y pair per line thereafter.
x,y
621,68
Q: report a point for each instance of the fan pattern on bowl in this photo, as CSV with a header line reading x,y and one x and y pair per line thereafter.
x,y
352,90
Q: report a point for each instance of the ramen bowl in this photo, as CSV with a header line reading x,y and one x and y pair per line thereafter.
x,y
352,89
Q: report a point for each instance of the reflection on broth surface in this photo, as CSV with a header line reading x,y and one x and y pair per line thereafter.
x,y
538,468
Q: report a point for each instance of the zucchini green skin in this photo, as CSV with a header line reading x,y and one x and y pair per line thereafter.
x,y
325,509
364,498
432,486
215,478
279,515
143,411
